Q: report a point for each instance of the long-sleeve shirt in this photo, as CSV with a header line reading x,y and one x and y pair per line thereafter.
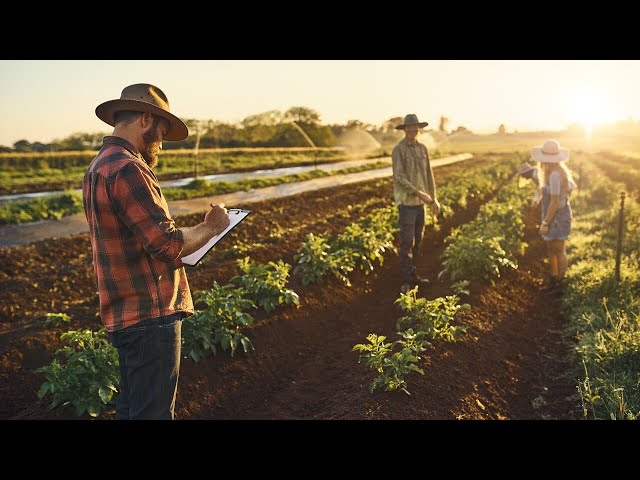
x,y
136,245
411,172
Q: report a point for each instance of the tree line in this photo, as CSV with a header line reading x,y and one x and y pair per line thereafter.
x,y
268,129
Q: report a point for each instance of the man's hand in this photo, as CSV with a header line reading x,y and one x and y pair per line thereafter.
x,y
435,208
426,198
217,218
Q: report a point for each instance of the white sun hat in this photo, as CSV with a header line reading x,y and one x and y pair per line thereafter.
x,y
550,152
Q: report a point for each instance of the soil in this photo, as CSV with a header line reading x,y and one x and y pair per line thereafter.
x,y
510,364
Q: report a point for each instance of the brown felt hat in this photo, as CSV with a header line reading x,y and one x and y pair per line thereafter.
x,y
411,119
143,97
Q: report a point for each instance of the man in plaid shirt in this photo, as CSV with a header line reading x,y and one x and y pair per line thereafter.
x,y
142,285
413,188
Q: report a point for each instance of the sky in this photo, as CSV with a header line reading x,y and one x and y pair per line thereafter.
x,y
44,100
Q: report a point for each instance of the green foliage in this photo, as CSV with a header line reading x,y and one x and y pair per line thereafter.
x,y
219,324
392,367
56,319
87,375
314,261
54,207
604,313
265,284
431,318
461,287
361,244
481,249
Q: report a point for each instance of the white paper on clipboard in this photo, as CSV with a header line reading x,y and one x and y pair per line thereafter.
x,y
236,215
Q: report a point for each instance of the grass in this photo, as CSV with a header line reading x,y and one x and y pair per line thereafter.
x,y
604,314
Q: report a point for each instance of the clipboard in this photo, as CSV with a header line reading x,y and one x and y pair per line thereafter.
x,y
236,215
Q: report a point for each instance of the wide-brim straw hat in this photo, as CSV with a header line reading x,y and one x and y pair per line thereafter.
x,y
411,119
143,97
550,152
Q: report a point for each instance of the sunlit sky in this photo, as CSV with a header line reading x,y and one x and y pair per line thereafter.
x,y
51,99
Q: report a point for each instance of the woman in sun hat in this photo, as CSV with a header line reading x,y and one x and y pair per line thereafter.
x,y
556,184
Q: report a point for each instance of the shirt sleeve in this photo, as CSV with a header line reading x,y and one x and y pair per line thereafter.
x,y
137,200
400,173
555,182
430,180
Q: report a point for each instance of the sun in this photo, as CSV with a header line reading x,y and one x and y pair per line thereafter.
x,y
589,107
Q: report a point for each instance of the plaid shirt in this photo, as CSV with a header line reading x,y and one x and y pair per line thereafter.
x,y
411,172
136,246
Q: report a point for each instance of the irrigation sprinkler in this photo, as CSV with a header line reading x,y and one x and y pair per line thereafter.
x,y
199,132
306,137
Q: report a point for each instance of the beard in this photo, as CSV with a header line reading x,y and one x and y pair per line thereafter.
x,y
151,147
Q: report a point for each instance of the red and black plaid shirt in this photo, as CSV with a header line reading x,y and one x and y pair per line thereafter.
x,y
136,245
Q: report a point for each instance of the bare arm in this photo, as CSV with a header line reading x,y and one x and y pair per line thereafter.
x,y
551,211
215,221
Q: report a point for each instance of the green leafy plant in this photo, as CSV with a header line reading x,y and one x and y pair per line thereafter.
x,y
392,367
431,318
265,284
87,375
461,287
315,261
56,319
219,324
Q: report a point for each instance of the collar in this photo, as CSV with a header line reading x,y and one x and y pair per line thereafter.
x,y
121,142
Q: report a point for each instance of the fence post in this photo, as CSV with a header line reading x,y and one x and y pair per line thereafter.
x,y
619,245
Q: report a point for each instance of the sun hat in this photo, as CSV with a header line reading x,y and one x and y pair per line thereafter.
x,y
411,119
550,152
143,97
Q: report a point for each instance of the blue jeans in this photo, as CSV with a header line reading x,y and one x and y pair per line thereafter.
x,y
149,355
411,232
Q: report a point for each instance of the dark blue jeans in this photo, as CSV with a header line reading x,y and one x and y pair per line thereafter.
x,y
411,232
149,354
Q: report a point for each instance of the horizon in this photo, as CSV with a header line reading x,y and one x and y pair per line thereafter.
x,y
524,95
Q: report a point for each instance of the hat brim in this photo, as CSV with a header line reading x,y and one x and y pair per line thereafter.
x,y
539,156
177,128
420,125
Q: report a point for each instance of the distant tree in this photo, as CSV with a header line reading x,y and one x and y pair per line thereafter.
x,y
461,131
39,147
390,125
355,124
269,118
22,146
502,129
79,141
302,115
4,149
442,127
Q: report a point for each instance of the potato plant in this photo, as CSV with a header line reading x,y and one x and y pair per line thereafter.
x,y
219,324
86,376
392,367
431,319
265,284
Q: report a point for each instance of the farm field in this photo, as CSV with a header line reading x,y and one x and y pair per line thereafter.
x,y
33,172
516,359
